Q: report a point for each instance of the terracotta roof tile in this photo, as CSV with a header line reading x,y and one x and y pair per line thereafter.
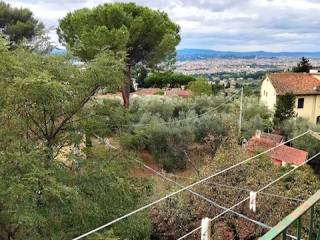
x,y
297,83
289,155
275,137
256,143
282,153
184,93
146,91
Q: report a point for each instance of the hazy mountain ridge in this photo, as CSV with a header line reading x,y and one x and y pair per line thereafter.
x,y
192,54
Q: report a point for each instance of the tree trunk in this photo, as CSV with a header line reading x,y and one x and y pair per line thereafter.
x,y
88,140
50,153
126,89
126,95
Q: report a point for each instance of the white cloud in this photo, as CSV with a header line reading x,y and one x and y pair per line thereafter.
x,y
272,25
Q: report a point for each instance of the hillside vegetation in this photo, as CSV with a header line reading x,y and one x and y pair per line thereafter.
x,y
71,161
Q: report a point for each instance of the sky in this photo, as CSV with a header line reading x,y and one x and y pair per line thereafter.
x,y
235,25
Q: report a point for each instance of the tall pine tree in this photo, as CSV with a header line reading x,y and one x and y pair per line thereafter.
x,y
303,66
148,37
17,24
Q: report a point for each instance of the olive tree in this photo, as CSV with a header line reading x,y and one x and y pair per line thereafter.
x,y
45,95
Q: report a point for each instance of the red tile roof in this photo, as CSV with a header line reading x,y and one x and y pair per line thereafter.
x,y
289,155
174,92
184,93
275,137
297,83
146,91
282,153
261,143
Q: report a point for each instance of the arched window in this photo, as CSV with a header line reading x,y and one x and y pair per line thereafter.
x,y
318,120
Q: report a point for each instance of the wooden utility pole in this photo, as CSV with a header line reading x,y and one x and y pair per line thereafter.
x,y
206,229
241,109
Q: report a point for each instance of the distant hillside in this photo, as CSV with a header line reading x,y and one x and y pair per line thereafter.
x,y
191,54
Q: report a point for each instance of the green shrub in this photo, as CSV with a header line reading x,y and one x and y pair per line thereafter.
x,y
167,143
200,87
161,128
255,116
168,79
294,127
161,106
136,140
174,161
211,124
107,117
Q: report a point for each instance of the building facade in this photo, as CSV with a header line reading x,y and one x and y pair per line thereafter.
x,y
306,88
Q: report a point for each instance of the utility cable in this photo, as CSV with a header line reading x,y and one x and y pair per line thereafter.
x,y
203,197
240,188
183,189
247,198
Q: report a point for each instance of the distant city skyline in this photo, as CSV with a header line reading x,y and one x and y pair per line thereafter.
x,y
232,25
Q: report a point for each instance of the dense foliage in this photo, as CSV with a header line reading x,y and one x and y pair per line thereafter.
x,y
68,156
184,212
44,106
200,86
284,108
148,37
167,79
47,93
255,116
252,89
294,127
18,23
168,127
52,202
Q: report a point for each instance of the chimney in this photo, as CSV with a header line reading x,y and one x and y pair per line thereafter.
x,y
258,133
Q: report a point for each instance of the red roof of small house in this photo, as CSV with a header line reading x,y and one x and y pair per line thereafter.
x,y
255,143
173,92
289,155
296,83
146,91
272,136
184,93
282,153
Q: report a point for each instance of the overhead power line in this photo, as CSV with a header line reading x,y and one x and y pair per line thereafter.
x,y
209,200
263,193
203,197
184,188
242,189
247,198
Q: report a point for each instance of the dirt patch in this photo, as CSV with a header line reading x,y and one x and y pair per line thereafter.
x,y
198,155
147,159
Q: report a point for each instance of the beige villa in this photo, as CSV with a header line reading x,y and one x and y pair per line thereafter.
x,y
305,86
